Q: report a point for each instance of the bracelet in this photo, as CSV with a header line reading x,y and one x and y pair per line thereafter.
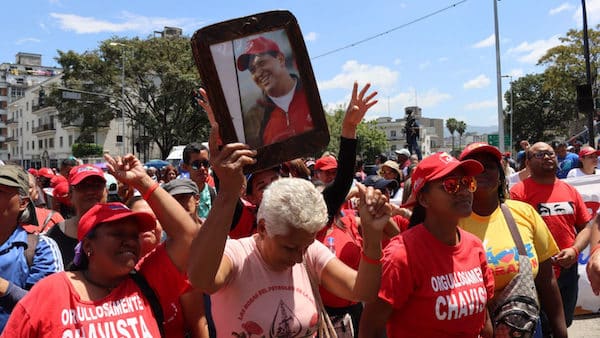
x,y
150,190
576,252
368,259
594,249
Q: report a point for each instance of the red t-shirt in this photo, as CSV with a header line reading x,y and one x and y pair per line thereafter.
x,y
559,204
283,125
246,225
435,290
348,245
53,307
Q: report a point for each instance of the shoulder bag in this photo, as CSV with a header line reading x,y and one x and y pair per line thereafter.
x,y
325,328
515,311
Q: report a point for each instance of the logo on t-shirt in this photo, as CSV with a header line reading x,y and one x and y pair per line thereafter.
x,y
556,209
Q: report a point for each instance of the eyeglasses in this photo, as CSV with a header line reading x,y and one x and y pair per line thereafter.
x,y
198,163
452,185
90,185
542,154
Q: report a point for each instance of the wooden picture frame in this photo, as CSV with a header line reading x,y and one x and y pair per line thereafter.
x,y
251,67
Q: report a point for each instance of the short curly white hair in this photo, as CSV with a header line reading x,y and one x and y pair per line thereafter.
x,y
292,203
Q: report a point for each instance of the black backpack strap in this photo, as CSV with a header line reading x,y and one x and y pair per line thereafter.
x,y
150,295
213,194
32,241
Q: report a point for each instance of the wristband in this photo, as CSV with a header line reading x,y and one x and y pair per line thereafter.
x,y
594,249
150,190
576,252
368,259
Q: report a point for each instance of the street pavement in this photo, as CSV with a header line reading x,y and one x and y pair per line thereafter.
x,y
585,327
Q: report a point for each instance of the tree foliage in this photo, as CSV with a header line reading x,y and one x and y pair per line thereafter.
x,y
461,127
371,140
159,80
451,125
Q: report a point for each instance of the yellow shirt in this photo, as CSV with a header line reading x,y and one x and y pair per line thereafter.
x,y
500,248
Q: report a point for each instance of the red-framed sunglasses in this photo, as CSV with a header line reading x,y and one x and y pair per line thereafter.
x,y
452,185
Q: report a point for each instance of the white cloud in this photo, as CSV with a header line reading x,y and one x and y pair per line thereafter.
x,y
380,77
424,65
310,36
528,52
592,8
564,7
487,42
397,61
478,82
129,22
27,40
481,105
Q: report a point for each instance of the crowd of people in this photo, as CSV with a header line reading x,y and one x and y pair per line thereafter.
x,y
414,248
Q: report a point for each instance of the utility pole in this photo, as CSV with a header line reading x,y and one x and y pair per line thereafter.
x,y
589,111
123,148
498,81
512,112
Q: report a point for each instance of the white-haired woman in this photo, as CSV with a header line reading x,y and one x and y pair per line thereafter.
x,y
258,284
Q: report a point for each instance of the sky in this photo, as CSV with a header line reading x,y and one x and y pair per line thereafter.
x,y
438,54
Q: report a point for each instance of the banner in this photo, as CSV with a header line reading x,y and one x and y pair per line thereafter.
x,y
589,188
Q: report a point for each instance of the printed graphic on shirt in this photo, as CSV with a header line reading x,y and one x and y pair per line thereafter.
x,y
284,322
556,208
469,300
119,318
507,261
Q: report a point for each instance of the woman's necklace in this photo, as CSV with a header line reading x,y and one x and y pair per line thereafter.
x,y
96,284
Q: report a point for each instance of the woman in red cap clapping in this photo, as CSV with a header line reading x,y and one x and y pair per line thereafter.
x,y
435,279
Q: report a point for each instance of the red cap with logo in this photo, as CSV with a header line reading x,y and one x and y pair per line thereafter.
x,y
61,193
112,212
481,147
46,172
326,163
56,180
437,166
587,150
259,45
33,171
81,172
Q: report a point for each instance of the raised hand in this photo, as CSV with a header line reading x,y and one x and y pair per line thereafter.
x,y
127,169
374,209
360,102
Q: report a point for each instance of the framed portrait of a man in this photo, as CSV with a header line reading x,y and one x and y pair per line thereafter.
x,y
260,83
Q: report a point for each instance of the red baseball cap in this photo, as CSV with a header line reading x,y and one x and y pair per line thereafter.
x,y
46,172
111,212
61,192
259,45
56,180
480,147
437,166
587,150
33,171
81,172
326,163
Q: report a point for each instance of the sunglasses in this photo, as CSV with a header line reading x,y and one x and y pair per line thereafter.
x,y
452,185
542,154
200,163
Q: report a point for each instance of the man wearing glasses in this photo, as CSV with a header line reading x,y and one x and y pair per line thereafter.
x,y
565,214
195,161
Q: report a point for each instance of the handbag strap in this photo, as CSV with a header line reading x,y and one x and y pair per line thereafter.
x,y
512,226
314,285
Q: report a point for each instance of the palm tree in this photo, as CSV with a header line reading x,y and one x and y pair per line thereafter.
x,y
461,127
452,124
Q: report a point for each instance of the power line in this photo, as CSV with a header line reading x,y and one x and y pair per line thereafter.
x,y
391,30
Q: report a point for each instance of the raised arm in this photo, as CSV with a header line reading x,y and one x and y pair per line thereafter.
x,y
335,193
208,269
175,221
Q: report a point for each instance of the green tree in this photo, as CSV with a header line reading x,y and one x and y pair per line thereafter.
x,y
371,139
160,78
539,114
452,125
461,127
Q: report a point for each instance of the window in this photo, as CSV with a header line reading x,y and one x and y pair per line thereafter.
x,y
27,126
32,145
119,138
45,143
70,140
27,106
392,133
40,144
51,142
60,141
27,145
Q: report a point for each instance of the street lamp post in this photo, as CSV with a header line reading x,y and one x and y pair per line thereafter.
x,y
498,81
512,112
123,149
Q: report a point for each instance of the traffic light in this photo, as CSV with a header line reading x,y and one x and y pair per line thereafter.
x,y
41,97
